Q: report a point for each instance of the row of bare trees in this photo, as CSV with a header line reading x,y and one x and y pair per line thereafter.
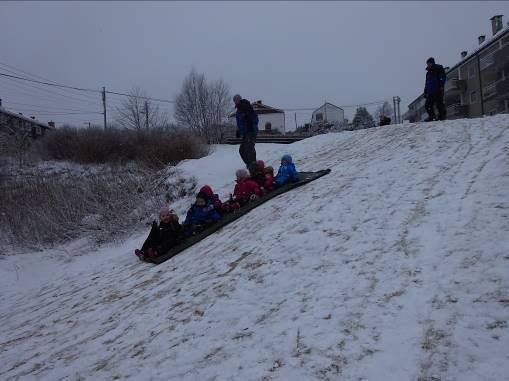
x,y
201,106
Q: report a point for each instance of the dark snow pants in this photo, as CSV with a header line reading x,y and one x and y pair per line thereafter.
x,y
437,100
247,150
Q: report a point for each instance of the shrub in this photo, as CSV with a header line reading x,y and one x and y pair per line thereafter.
x,y
42,210
153,147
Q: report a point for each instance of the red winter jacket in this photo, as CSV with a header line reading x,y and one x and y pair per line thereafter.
x,y
244,189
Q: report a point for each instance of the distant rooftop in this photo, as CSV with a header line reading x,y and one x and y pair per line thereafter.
x,y
3,110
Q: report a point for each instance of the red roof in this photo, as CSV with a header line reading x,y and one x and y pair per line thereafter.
x,y
260,108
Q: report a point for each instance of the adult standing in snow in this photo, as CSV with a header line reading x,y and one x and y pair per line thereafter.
x,y
247,129
434,90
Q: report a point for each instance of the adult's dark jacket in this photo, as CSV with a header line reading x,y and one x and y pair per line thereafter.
x,y
435,79
247,120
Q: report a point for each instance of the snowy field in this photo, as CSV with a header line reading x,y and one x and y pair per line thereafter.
x,y
393,267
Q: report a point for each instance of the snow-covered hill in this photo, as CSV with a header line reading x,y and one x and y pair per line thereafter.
x,y
393,267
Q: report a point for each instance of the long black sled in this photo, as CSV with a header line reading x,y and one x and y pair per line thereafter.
x,y
304,178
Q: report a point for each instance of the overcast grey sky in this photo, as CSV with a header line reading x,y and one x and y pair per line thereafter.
x,y
288,54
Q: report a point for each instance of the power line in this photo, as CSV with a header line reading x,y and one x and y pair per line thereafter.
x,y
49,84
299,109
24,72
89,98
51,93
82,89
15,72
49,113
56,84
44,108
138,96
364,104
342,106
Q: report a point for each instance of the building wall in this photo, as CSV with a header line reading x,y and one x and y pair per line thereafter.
x,y
6,140
328,113
471,96
34,129
416,111
489,75
277,120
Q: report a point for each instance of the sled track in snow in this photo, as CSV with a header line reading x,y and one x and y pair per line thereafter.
x,y
394,266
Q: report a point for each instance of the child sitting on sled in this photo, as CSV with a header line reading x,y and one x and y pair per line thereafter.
x,y
245,190
259,176
268,183
213,199
201,215
162,237
287,172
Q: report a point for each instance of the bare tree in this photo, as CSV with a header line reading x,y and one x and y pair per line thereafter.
x,y
203,106
138,112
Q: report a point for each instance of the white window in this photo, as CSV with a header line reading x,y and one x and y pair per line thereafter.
x,y
473,97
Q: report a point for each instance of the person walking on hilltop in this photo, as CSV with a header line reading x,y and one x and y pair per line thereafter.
x,y
434,90
247,129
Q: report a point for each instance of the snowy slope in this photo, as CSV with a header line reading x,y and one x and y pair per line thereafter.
x,y
393,267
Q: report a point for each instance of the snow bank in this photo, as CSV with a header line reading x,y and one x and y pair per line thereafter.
x,y
392,267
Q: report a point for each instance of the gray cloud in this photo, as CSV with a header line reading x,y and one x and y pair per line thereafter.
x,y
289,54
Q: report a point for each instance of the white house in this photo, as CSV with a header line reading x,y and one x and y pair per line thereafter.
x,y
328,113
269,118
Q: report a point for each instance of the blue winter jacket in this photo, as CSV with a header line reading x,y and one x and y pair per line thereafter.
x,y
198,215
286,173
247,119
435,79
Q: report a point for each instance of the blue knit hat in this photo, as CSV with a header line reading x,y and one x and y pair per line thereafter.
x,y
287,158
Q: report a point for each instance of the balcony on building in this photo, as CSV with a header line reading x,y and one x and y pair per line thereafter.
x,y
487,62
490,90
454,86
501,57
502,88
457,110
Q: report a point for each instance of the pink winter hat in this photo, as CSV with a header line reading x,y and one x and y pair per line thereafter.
x,y
241,174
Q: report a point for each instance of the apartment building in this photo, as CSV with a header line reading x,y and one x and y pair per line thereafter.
x,y
479,83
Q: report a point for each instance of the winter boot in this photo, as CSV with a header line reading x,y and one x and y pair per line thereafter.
x,y
139,254
151,253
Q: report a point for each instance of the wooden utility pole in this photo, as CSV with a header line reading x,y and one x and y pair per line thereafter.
x,y
104,106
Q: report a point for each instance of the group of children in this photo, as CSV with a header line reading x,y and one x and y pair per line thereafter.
x,y
208,208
